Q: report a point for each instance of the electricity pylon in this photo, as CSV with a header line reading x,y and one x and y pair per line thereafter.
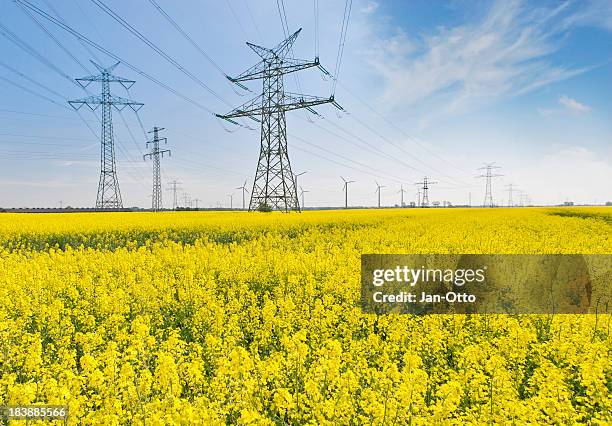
x,y
378,188
401,192
243,188
274,184
109,195
155,155
302,191
511,189
424,186
174,187
345,188
488,175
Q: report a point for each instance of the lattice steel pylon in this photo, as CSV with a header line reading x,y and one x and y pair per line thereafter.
x,y
109,195
155,155
488,175
274,185
424,186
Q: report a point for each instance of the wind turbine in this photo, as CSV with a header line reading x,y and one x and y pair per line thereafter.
x,y
345,189
295,182
378,188
243,188
231,197
302,194
401,191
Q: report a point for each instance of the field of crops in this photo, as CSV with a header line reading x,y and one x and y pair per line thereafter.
x,y
254,318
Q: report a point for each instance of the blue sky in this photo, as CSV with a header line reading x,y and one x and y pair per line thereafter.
x,y
429,88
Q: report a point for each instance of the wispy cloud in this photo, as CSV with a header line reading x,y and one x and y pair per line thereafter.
x,y
573,105
507,53
370,7
568,105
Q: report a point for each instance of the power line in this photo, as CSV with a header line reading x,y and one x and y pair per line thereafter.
x,y
12,37
348,4
157,49
186,36
90,22
26,3
382,174
34,114
229,5
316,32
31,80
32,92
248,8
52,37
399,129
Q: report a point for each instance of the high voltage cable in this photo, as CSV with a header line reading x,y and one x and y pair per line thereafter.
x,y
285,25
26,3
91,24
236,18
193,43
33,52
248,8
130,133
57,42
388,176
20,135
365,145
157,49
337,162
32,92
392,143
348,4
31,80
12,111
29,13
397,128
316,20
187,36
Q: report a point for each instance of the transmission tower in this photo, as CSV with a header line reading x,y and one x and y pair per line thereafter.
x,y
109,196
274,184
424,186
511,189
488,175
378,188
174,187
155,155
345,188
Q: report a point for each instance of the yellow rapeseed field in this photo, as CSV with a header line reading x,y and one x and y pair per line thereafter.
x,y
254,318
